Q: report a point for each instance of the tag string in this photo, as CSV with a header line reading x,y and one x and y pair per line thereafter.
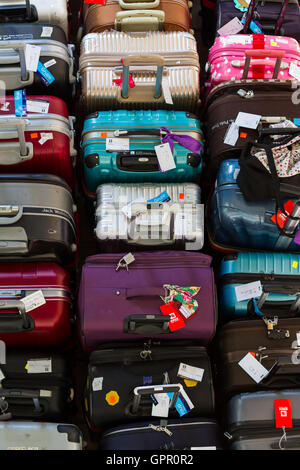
x,y
282,437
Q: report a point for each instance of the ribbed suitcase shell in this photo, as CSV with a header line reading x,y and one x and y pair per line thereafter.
x,y
101,55
101,166
182,226
29,435
277,272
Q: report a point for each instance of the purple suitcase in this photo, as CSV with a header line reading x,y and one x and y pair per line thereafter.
x,y
115,305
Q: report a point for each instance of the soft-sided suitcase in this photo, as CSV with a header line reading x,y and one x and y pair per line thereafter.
x,y
143,215
29,435
120,381
251,424
273,342
279,277
271,16
54,75
185,434
236,224
37,218
124,305
144,129
161,64
48,325
40,142
34,385
36,11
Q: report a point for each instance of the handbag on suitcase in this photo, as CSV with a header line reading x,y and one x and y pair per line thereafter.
x,y
124,305
143,215
37,218
116,392
40,142
251,422
107,57
144,130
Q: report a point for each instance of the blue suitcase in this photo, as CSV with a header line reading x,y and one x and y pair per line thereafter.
x,y
279,274
139,163
238,225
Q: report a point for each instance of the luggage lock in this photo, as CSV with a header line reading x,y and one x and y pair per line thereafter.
x,y
275,333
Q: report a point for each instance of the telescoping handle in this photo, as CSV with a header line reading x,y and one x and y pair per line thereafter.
x,y
146,324
14,305
263,53
143,59
19,46
14,152
9,13
139,392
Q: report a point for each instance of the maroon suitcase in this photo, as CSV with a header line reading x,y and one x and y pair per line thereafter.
x,y
45,326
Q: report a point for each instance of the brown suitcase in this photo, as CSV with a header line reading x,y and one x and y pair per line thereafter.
x,y
154,15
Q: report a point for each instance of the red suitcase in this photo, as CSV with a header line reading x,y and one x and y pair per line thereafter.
x,y
40,142
44,326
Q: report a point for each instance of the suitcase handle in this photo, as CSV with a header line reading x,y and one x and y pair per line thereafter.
x,y
136,20
16,211
14,152
26,13
145,163
146,325
274,377
27,321
153,59
150,390
26,77
279,55
140,131
141,5
144,292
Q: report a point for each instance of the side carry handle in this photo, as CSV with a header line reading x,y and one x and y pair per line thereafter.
x,y
146,324
14,152
16,305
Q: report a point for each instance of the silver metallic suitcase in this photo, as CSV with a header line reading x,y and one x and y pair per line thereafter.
x,y
168,215
27,435
157,61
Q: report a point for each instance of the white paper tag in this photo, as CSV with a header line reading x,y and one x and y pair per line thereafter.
x,y
247,120
189,372
39,366
298,338
49,63
233,27
184,310
47,32
231,135
2,376
97,384
34,300
45,393
186,398
166,90
253,368
161,410
165,157
32,57
294,71
248,291
37,106
235,173
114,144
45,136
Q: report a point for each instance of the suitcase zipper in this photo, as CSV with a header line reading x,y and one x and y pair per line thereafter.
x,y
146,428
148,262
266,279
17,292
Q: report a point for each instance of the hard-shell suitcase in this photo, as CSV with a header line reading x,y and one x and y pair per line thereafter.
x,y
279,277
124,305
251,425
37,218
157,61
237,225
144,129
143,215
40,142
272,342
154,15
30,435
237,56
272,16
36,11
54,76
121,380
34,385
48,325
185,434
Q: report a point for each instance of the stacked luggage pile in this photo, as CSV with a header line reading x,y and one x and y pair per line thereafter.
x,y
179,347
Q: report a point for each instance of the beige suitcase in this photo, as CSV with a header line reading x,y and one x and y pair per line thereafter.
x,y
164,66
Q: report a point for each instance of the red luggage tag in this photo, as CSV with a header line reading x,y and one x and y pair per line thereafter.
x,y
96,2
118,81
281,217
176,321
283,413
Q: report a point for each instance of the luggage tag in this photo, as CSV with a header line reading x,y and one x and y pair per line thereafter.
x,y
283,413
39,366
254,26
183,404
186,371
49,63
253,368
294,71
166,90
38,106
176,321
33,301
47,32
165,157
232,27
242,5
251,290
44,74
20,102
32,57
119,81
96,2
281,219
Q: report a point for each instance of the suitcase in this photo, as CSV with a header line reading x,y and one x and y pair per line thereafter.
x,y
156,60
274,101
272,343
238,56
135,311
56,77
278,274
36,11
253,228
139,164
119,394
47,325
35,385
29,435
45,200
143,215
251,421
41,142
156,15
272,16
185,434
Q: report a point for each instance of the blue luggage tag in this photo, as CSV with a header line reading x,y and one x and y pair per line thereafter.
x,y
253,26
296,121
183,403
162,197
20,102
44,74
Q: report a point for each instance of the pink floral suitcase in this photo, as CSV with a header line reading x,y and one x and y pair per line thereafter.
x,y
256,56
